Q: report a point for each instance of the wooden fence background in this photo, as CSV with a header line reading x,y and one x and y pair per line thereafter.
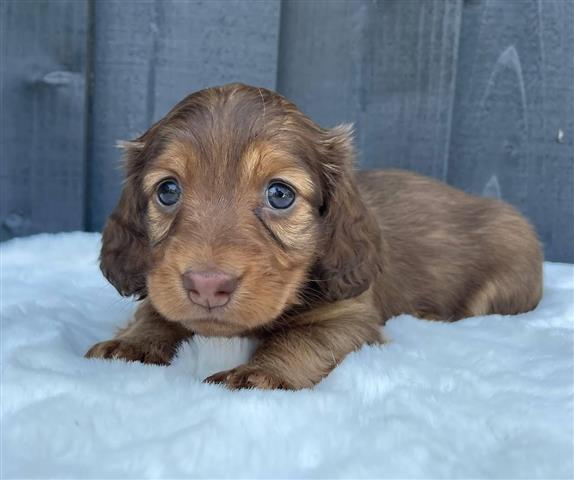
x,y
479,93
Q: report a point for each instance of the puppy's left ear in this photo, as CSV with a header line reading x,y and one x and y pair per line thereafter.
x,y
351,234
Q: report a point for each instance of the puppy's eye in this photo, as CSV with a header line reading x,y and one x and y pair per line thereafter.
x,y
280,195
168,192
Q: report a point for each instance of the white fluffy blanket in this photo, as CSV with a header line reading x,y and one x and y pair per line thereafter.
x,y
483,397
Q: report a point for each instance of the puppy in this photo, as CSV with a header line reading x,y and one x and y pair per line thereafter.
x,y
240,216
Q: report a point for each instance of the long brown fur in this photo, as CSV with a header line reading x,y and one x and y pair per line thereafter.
x,y
317,280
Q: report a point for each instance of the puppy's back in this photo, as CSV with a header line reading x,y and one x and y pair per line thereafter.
x,y
448,254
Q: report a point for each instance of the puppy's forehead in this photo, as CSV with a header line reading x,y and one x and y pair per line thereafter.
x,y
217,125
225,145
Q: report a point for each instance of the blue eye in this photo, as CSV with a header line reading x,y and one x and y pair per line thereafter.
x,y
280,195
168,192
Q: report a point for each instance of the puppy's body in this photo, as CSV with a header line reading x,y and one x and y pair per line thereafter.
x,y
240,216
448,255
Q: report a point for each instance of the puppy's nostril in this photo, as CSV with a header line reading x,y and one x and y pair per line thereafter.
x,y
227,286
209,288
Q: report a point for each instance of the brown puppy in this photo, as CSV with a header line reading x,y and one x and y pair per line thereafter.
x,y
240,216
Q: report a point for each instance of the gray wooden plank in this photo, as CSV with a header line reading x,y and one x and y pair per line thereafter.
x,y
213,42
515,92
409,77
150,54
42,116
388,66
320,57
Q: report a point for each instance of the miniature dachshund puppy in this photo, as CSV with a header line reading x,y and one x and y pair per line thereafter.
x,y
240,216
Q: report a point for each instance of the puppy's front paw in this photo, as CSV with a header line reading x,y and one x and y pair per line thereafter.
x,y
153,353
249,376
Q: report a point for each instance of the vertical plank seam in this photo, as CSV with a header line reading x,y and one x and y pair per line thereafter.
x,y
88,114
455,90
151,74
280,45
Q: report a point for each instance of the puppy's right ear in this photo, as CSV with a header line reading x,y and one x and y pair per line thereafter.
x,y
125,245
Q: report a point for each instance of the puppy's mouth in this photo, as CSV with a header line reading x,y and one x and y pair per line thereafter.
x,y
211,320
209,305
200,313
214,325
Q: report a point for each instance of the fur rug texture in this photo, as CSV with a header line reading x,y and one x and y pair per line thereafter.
x,y
487,397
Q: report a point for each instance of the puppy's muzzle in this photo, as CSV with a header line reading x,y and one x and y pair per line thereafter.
x,y
209,289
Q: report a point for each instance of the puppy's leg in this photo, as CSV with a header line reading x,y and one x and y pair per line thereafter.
x,y
148,338
505,295
304,351
514,279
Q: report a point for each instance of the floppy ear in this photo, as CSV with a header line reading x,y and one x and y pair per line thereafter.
x,y
125,245
351,258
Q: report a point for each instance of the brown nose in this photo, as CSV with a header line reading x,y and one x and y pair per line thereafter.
x,y
209,289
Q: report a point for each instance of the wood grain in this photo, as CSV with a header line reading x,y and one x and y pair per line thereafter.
x,y
389,67
515,93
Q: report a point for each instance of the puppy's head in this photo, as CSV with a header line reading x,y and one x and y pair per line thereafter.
x,y
236,207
